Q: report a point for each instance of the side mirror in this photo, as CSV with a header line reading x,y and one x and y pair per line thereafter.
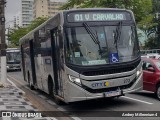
x,y
151,69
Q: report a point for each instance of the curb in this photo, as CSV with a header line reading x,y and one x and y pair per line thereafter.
x,y
21,92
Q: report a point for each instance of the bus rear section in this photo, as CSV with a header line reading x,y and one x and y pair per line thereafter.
x,y
13,58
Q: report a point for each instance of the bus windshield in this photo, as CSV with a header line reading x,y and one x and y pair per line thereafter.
x,y
117,43
13,57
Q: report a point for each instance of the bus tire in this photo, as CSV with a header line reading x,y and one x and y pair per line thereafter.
x,y
58,101
51,90
50,87
29,82
158,91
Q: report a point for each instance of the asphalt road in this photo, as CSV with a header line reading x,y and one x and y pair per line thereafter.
x,y
95,109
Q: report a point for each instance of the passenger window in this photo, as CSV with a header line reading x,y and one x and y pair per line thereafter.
x,y
144,65
148,65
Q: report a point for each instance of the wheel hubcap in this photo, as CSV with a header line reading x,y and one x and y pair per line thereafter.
x,y
158,92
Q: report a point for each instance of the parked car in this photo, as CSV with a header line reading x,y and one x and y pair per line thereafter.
x,y
151,55
151,75
154,55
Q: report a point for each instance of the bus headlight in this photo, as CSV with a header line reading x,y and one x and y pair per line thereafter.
x,y
139,72
75,80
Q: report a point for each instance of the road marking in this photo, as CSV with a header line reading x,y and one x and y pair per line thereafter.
x,y
14,79
11,82
50,118
43,97
137,100
51,102
61,109
76,118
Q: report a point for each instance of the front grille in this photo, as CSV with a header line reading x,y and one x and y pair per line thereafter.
x,y
109,89
108,71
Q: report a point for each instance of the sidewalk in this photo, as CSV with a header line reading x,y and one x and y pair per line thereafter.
x,y
12,100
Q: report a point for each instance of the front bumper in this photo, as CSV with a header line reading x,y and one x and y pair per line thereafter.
x,y
13,67
77,93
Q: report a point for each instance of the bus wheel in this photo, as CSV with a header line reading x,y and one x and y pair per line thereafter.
x,y
158,92
29,82
50,87
58,101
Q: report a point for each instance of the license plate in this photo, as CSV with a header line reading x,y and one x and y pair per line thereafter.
x,y
113,93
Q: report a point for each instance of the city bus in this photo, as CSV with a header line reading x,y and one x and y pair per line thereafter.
x,y
84,54
13,59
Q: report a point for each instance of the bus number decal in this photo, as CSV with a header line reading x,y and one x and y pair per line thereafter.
x,y
126,81
78,17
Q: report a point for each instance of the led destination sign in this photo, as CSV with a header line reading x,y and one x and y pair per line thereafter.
x,y
96,16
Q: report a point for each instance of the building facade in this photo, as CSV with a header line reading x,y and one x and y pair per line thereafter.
x,y
40,8
46,8
32,9
18,20
53,7
27,12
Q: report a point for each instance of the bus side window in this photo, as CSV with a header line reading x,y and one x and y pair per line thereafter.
x,y
42,34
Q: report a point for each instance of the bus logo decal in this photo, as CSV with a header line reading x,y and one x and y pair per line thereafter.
x,y
100,84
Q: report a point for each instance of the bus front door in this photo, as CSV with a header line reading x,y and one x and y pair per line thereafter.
x,y
56,61
32,62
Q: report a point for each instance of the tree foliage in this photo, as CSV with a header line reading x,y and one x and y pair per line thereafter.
x,y
143,10
35,23
152,43
16,34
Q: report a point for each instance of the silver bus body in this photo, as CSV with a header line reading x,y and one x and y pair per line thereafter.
x,y
45,65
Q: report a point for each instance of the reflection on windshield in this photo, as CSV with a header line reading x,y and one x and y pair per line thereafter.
x,y
93,36
126,46
82,50
117,33
13,56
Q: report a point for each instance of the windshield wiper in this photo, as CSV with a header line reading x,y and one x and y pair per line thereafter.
x,y
91,33
93,36
132,34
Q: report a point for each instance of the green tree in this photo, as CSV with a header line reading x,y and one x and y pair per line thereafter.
x,y
16,34
152,27
144,10
35,23
152,43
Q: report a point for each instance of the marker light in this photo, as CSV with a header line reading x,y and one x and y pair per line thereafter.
x,y
139,72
